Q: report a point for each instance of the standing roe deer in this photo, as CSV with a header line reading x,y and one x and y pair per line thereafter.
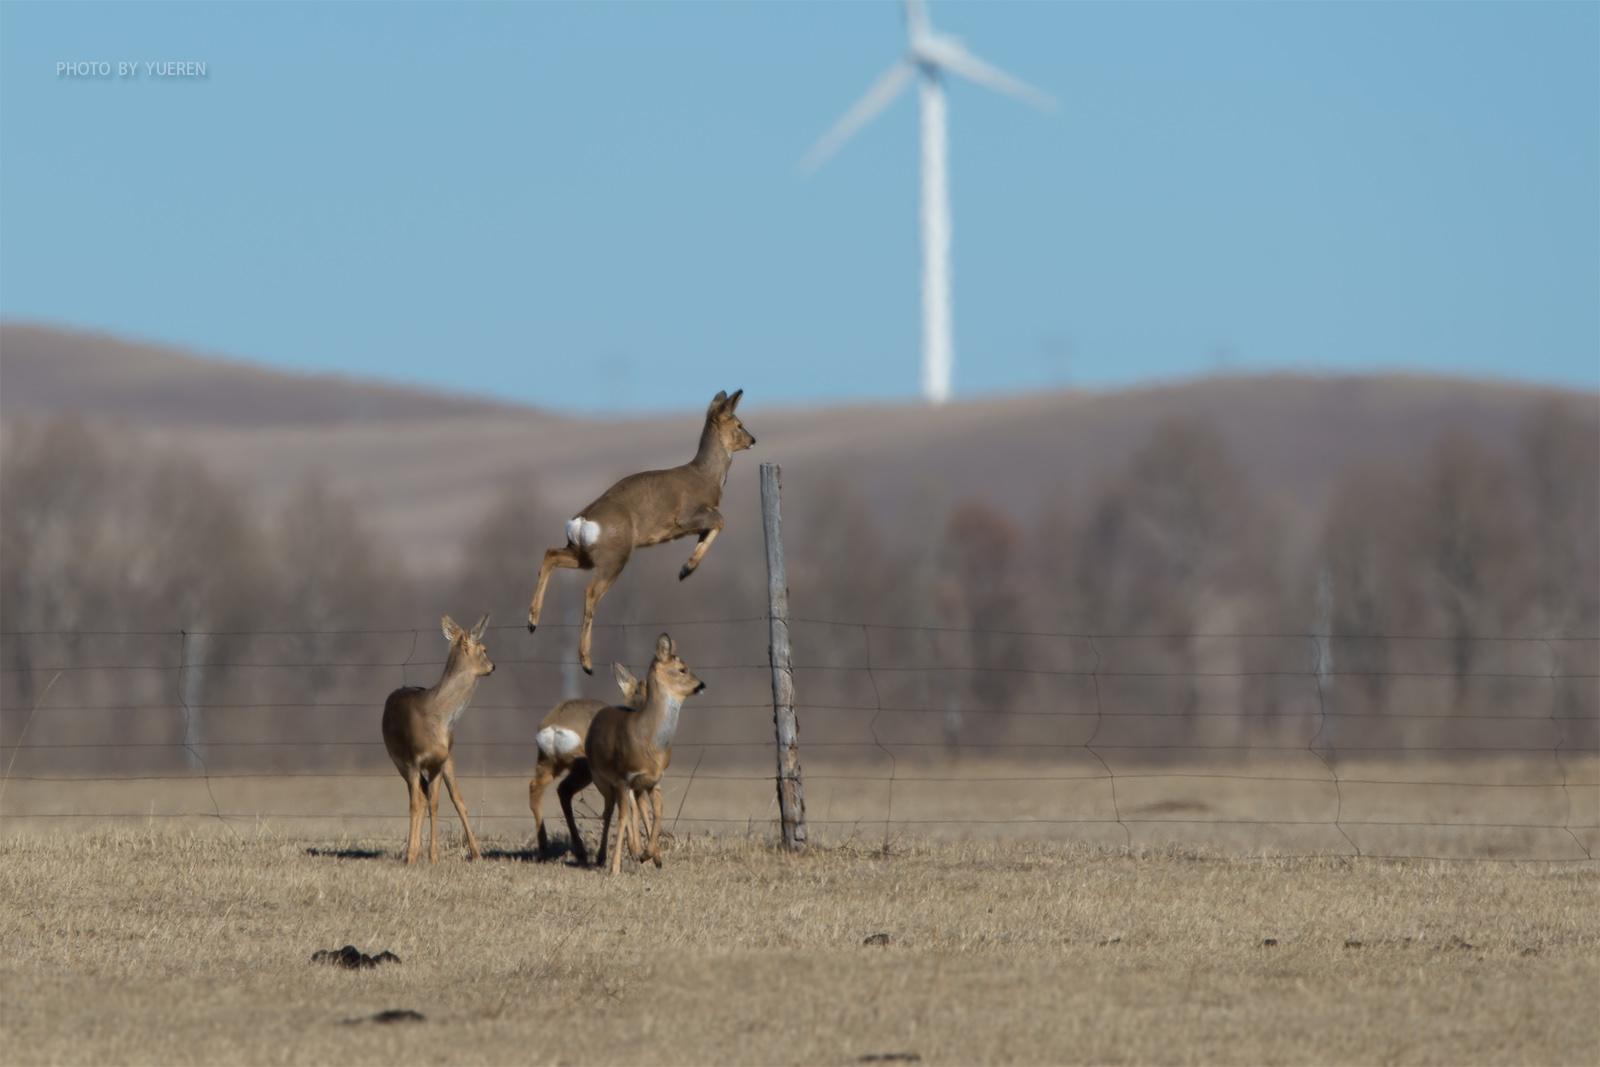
x,y
560,740
629,750
419,727
647,509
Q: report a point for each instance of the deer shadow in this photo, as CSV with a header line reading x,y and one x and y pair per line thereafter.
x,y
560,852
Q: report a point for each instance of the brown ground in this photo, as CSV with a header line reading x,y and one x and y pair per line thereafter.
x,y
189,943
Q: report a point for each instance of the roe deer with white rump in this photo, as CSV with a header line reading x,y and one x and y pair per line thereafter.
x,y
560,740
419,727
647,509
628,750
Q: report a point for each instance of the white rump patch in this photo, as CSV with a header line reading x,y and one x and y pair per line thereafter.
x,y
582,532
558,741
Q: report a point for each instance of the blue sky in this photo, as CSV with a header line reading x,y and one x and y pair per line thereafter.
x,y
594,207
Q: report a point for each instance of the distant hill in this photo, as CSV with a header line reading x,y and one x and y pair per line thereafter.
x,y
45,371
398,452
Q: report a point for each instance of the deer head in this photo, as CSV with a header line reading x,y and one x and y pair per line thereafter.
x,y
671,673
466,646
720,416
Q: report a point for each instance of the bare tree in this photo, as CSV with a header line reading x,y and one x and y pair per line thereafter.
x,y
1468,537
982,594
496,567
1372,585
1561,470
341,605
1174,547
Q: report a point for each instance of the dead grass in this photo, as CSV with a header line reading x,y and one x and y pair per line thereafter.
x,y
1500,809
150,945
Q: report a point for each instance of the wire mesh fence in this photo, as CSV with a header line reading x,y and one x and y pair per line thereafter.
x,y
1465,747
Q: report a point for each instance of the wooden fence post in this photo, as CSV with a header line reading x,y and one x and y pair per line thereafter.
x,y
791,798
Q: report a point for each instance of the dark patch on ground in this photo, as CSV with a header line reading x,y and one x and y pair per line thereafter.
x,y
891,1057
393,1015
346,853
877,939
1172,807
352,958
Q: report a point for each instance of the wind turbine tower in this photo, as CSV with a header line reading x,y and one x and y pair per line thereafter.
x,y
929,56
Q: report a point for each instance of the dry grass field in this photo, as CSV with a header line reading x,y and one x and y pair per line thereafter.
x,y
187,941
1502,808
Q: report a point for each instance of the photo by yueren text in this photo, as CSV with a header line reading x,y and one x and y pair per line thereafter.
x,y
166,68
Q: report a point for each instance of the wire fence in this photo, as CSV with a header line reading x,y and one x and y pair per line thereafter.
x,y
1418,746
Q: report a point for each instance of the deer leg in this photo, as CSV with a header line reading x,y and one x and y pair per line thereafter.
x,y
565,556
645,829
543,774
713,522
448,771
629,813
641,824
646,826
655,827
570,787
433,818
605,824
414,788
604,577
625,824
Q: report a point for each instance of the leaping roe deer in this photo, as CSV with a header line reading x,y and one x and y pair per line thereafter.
x,y
419,727
629,750
560,740
647,509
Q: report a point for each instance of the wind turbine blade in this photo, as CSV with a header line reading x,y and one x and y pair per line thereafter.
x,y
958,60
862,112
916,19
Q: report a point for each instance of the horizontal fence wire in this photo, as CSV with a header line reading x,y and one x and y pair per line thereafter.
x,y
1467,723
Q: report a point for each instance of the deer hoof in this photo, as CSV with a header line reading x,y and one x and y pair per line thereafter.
x,y
532,627
685,572
586,668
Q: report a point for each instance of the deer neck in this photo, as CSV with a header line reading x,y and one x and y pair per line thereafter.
x,y
449,698
713,458
659,723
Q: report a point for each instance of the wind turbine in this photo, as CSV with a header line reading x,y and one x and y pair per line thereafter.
x,y
929,56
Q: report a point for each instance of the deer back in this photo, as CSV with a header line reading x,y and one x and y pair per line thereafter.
x,y
652,506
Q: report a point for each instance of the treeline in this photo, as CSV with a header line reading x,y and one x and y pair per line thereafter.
x,y
1445,605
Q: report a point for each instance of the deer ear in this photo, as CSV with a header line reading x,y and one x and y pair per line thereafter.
x,y
451,630
733,401
625,679
478,628
663,647
717,403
